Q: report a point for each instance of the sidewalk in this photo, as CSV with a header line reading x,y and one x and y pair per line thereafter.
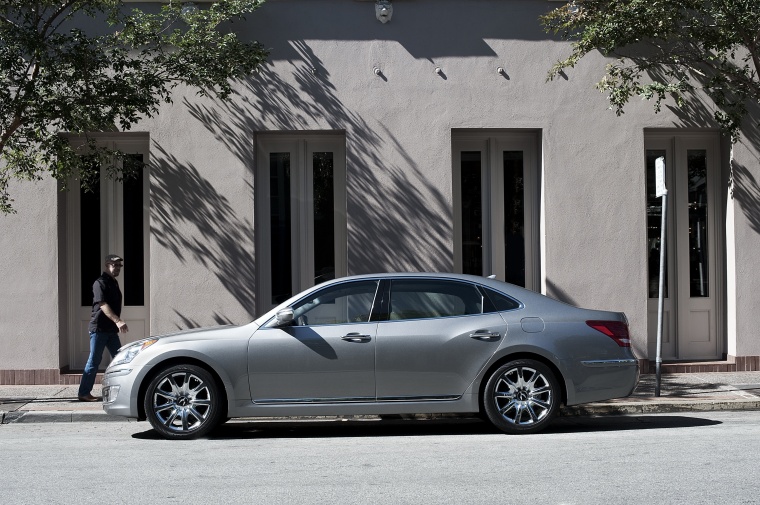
x,y
679,393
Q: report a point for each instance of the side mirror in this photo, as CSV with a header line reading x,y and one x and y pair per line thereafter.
x,y
284,317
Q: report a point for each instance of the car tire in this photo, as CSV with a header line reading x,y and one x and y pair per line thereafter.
x,y
521,397
183,402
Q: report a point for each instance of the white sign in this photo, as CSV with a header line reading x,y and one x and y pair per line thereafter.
x,y
659,166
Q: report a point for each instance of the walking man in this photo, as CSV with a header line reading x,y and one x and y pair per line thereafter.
x,y
105,323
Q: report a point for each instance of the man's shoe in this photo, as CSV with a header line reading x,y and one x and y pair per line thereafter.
x,y
88,398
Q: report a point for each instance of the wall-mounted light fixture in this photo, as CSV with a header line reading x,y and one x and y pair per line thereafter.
x,y
383,10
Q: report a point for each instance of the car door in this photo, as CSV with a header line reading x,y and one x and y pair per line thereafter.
x,y
327,355
435,341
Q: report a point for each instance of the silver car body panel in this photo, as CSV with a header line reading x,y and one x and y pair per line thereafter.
x,y
392,367
313,364
434,357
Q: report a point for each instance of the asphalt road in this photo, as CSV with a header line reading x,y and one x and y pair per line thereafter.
x,y
668,458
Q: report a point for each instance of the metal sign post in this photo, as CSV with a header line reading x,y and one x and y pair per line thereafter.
x,y
662,191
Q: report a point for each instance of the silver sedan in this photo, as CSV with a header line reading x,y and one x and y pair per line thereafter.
x,y
381,344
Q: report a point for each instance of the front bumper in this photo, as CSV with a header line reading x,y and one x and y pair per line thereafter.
x,y
120,391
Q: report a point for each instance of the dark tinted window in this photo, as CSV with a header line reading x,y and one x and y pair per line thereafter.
x,y
345,303
134,231
499,302
421,299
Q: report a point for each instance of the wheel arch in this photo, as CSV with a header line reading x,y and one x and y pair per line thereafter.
x,y
521,355
180,360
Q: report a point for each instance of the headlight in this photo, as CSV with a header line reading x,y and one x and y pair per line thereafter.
x,y
128,353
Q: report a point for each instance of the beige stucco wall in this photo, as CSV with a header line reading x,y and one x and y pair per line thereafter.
x,y
29,311
744,338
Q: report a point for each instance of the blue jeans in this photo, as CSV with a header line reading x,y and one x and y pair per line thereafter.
x,y
98,342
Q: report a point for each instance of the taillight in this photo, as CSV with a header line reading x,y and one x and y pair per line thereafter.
x,y
616,330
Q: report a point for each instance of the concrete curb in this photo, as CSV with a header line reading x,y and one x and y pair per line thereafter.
x,y
627,408
57,416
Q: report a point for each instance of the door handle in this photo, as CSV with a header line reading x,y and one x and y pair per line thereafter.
x,y
485,335
356,337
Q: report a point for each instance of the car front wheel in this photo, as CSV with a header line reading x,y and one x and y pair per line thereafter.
x,y
521,396
182,402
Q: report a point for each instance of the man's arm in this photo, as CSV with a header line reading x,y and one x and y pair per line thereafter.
x,y
110,314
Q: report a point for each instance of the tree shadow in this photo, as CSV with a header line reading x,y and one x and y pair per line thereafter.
x,y
181,196
745,187
393,201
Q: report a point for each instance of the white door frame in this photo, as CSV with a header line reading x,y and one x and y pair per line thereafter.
x,y
301,147
491,144
693,326
111,241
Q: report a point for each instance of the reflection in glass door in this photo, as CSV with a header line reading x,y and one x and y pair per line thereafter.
x,y
691,316
495,187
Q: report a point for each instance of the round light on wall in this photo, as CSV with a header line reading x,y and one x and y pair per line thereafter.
x,y
383,10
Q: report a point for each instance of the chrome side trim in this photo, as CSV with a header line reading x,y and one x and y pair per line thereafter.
x,y
283,401
609,362
313,401
418,398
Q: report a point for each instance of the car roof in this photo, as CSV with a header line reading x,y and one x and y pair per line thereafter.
x,y
477,279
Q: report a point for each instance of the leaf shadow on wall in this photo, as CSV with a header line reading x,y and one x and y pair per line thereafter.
x,y
744,175
392,201
182,201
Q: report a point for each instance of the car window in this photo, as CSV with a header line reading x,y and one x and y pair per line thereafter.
x,y
422,299
349,302
499,302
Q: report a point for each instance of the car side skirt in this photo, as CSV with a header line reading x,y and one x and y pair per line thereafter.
x,y
440,405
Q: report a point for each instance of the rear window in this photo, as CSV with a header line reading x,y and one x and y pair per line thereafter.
x,y
423,299
499,302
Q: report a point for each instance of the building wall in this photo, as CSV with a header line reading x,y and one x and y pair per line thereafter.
x,y
746,214
398,127
29,297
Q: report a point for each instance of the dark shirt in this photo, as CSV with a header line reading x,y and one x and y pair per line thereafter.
x,y
105,290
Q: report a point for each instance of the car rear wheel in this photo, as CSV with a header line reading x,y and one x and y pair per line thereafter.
x,y
182,402
521,396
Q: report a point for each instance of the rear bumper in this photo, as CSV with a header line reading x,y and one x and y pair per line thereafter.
x,y
600,380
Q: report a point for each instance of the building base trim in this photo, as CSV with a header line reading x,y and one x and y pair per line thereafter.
x,y
730,364
41,376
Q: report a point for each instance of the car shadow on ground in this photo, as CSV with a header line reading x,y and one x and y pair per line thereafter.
x,y
236,430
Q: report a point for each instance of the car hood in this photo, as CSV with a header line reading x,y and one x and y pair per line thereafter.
x,y
227,331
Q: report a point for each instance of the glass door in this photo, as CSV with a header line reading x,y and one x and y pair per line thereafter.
x,y
692,293
496,215
301,204
111,219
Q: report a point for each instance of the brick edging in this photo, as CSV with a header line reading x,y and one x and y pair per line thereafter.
x,y
41,377
731,364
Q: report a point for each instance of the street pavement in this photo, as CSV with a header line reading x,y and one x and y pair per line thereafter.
x,y
678,393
